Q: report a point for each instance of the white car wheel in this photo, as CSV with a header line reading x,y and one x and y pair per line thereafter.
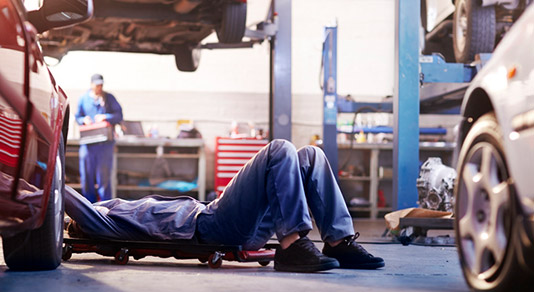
x,y
485,210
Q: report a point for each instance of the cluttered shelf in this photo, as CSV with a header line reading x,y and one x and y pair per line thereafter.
x,y
146,188
366,173
133,141
441,146
355,178
149,141
152,156
134,188
146,165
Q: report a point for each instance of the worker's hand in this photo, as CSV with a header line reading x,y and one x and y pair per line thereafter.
x,y
100,118
87,120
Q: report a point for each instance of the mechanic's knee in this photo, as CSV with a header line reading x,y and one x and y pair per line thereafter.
x,y
281,144
310,150
282,148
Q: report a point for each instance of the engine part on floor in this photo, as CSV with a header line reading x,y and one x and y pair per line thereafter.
x,y
435,185
415,231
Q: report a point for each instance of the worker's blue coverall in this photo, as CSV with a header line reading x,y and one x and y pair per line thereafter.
x,y
96,160
271,194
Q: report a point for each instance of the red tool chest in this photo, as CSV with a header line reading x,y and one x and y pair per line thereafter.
x,y
230,155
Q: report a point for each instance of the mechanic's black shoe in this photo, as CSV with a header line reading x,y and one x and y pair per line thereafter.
x,y
302,256
352,255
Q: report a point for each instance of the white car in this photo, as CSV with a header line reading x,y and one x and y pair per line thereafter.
x,y
494,191
460,29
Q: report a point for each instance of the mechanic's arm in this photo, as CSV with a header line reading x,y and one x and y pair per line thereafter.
x,y
90,220
80,113
115,115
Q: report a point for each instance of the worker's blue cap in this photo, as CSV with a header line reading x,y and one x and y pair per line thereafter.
x,y
97,79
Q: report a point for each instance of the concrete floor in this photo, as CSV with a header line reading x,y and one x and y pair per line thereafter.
x,y
408,268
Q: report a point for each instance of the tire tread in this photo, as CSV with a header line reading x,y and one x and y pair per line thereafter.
x,y
35,249
481,32
233,24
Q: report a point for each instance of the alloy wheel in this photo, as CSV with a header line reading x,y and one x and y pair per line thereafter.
x,y
483,221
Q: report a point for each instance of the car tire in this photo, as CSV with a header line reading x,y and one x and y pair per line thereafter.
x,y
187,57
233,23
41,248
473,30
485,211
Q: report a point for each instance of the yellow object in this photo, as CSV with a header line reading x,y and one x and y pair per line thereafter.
x,y
361,137
182,122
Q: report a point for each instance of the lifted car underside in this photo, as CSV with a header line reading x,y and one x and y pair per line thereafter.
x,y
150,26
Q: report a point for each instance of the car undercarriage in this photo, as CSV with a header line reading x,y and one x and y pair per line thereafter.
x,y
151,26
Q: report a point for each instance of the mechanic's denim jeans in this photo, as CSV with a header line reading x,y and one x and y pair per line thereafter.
x,y
272,194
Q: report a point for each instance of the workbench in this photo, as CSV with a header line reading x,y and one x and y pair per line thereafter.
x,y
137,168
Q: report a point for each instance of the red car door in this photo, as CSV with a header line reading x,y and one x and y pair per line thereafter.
x,y
27,151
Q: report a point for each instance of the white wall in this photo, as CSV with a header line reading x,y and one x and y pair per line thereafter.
x,y
233,84
366,35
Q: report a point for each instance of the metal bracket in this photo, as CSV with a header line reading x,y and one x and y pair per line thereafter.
x,y
434,69
264,30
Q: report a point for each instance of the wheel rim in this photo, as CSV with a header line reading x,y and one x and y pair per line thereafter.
x,y
461,26
483,209
58,214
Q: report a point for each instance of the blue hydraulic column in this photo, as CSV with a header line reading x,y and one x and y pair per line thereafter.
x,y
280,79
406,103
330,96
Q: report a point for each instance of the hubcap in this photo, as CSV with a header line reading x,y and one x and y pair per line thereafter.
x,y
461,26
483,208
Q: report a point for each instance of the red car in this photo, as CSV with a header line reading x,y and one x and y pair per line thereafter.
x,y
33,127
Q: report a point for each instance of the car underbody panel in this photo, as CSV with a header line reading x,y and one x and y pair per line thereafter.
x,y
150,26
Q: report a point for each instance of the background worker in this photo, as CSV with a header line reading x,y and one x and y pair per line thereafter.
x,y
271,194
96,159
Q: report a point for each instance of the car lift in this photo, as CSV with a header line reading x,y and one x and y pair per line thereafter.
x,y
412,71
276,28
121,250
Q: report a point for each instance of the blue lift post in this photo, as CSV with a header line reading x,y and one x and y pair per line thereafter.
x,y
330,96
280,73
406,103
411,70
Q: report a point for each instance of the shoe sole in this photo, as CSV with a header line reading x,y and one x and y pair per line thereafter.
x,y
366,266
307,268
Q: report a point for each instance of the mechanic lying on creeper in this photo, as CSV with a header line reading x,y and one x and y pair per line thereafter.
x,y
272,193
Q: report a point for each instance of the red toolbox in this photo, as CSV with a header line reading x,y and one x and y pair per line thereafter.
x,y
230,155
96,133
